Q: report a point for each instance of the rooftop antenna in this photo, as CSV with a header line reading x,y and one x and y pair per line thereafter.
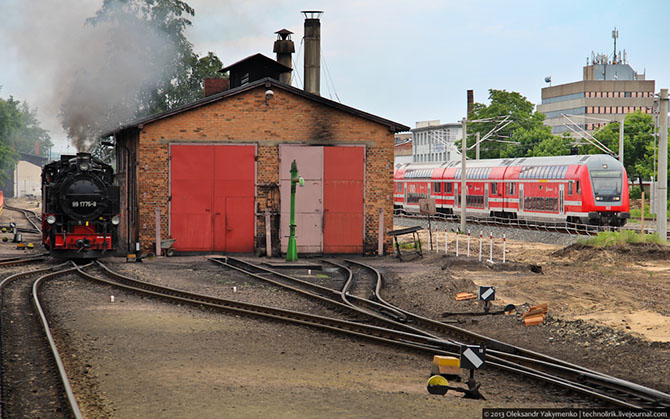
x,y
615,35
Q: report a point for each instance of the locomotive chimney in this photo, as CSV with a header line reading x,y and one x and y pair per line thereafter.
x,y
312,51
471,101
284,48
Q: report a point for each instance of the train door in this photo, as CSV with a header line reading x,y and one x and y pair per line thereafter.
x,y
457,196
520,198
486,195
561,201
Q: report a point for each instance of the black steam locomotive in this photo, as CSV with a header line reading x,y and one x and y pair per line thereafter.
x,y
80,211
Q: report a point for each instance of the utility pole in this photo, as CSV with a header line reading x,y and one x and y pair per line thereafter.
x,y
662,188
477,147
621,139
464,150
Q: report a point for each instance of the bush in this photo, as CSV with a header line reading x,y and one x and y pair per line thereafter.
x,y
613,238
635,193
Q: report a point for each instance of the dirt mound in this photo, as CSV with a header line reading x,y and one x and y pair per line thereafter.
x,y
613,254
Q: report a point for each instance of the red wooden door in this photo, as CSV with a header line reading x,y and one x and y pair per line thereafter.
x,y
191,189
343,206
234,175
212,205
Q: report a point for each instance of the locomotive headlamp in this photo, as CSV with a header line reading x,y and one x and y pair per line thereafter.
x,y
116,220
51,219
84,166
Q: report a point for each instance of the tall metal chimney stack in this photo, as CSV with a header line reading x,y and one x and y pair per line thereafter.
x,y
312,51
284,47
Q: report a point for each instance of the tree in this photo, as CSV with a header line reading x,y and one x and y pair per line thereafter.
x,y
526,126
29,132
10,121
638,144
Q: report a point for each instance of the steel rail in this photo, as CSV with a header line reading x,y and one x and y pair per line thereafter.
x,y
55,272
363,306
22,260
572,374
28,214
536,361
200,300
376,333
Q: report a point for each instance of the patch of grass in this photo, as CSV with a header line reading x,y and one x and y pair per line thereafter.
x,y
613,238
637,212
408,245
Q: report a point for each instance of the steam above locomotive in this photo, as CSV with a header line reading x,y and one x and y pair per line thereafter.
x,y
80,207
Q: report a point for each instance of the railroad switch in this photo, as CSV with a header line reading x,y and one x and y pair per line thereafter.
x,y
472,357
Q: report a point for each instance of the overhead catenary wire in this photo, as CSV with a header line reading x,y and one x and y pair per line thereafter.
x,y
328,77
295,68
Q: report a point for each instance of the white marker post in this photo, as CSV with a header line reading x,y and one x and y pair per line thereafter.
x,y
481,233
468,242
457,244
491,252
504,240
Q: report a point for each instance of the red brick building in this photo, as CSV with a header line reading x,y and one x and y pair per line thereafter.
x,y
217,172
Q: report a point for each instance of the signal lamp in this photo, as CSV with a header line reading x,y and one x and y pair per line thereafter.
x,y
51,219
116,220
84,166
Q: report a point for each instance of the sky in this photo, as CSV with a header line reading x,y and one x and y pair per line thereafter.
x,y
403,61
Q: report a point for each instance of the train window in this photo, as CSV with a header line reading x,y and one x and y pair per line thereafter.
x,y
494,188
436,187
578,189
564,171
570,188
449,187
510,188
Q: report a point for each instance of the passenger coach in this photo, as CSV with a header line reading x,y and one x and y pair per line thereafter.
x,y
585,189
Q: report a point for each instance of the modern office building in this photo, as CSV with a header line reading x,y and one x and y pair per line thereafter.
x,y
435,142
610,89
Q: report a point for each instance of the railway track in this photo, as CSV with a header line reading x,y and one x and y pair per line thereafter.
x,y
34,381
33,219
448,340
563,228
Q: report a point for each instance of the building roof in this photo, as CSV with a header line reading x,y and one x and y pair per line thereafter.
x,y
268,83
32,158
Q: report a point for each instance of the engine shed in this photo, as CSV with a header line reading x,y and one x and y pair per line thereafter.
x,y
216,173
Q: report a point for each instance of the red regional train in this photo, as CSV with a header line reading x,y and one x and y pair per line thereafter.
x,y
580,189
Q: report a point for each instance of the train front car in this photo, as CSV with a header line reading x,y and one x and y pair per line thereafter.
x,y
605,197
80,208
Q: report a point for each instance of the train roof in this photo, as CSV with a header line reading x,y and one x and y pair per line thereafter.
x,y
592,161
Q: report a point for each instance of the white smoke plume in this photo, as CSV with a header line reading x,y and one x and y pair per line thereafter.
x,y
89,75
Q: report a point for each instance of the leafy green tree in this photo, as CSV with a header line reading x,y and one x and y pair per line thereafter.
x,y
526,126
29,132
10,121
638,144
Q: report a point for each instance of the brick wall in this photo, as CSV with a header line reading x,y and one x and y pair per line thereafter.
x,y
247,118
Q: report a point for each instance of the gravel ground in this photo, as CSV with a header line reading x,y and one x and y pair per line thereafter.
x,y
537,236
141,357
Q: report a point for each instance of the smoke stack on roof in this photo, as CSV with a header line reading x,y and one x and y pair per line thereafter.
x,y
216,85
471,101
284,47
312,51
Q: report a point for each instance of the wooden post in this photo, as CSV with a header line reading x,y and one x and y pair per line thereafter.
x,y
380,246
642,214
158,231
430,234
268,233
